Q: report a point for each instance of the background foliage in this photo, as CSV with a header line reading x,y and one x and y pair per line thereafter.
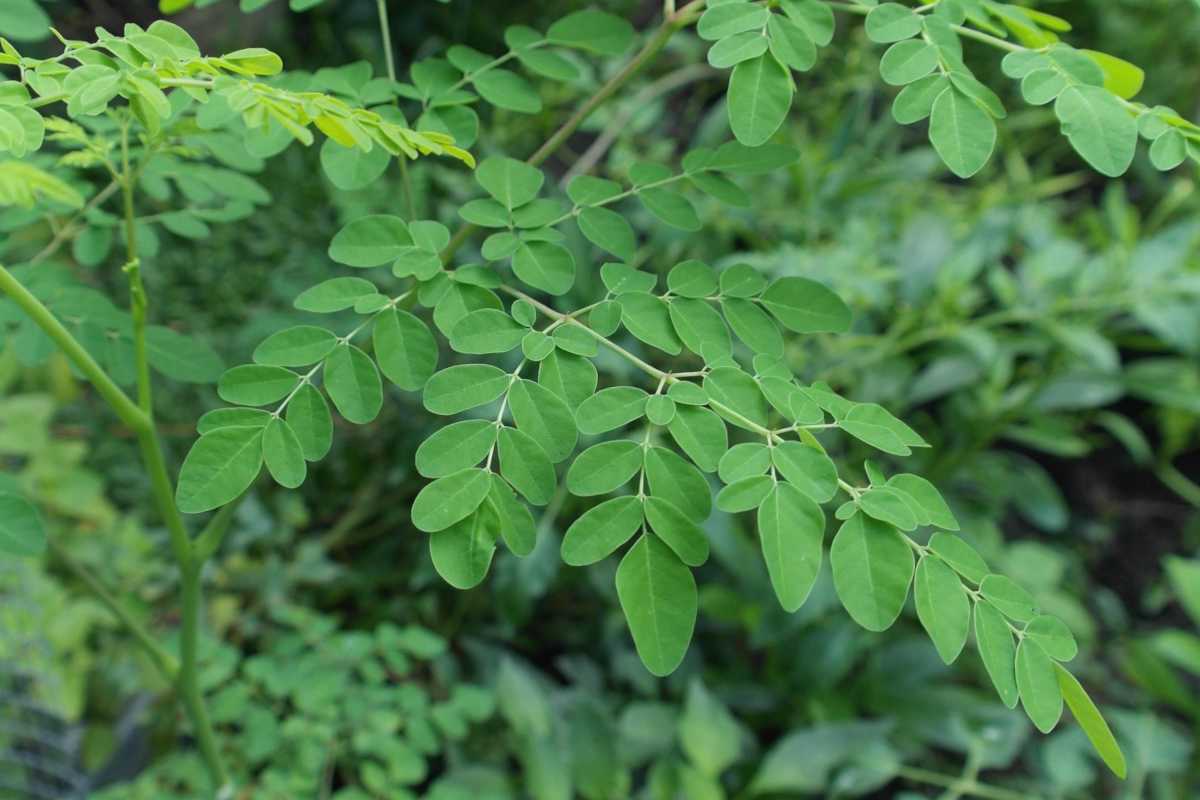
x,y
1037,324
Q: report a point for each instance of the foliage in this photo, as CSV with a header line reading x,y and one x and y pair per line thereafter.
x,y
719,382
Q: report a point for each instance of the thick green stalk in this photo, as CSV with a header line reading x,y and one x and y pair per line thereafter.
x,y
670,25
187,685
121,404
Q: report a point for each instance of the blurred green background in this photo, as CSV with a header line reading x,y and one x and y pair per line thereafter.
x,y
1037,324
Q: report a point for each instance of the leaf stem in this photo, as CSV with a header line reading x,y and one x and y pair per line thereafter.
x,y
957,783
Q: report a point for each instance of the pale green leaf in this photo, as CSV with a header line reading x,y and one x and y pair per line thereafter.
x,y
872,569
599,531
658,595
219,467
450,499
942,607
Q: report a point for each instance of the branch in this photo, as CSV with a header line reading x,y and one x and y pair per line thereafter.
x,y
121,404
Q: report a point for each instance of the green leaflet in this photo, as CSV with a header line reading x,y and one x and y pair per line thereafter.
x,y
961,132
745,493
255,385
1090,719
230,417
738,392
752,326
872,568
350,168
587,190
888,505
678,530
599,531
335,294
297,346
807,469
660,409
545,265
450,499
283,454
605,318
405,349
908,61
728,19
219,467
516,523
1037,683
692,279
961,557
512,183
592,30
816,18
545,416
658,595
1054,637
486,330
1098,127
353,384
942,607
673,478
570,377
791,528
701,434
308,415
508,90
996,649
525,465
610,409
806,306
455,447
370,241
463,387
670,206
930,505
915,101
791,44
604,467
879,428
742,280
608,230
462,552
758,99
892,22
1008,597
21,530
743,461
648,318
575,340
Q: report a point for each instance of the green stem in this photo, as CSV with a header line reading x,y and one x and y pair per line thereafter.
x,y
670,25
126,410
163,661
644,366
389,59
189,680
970,787
187,557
